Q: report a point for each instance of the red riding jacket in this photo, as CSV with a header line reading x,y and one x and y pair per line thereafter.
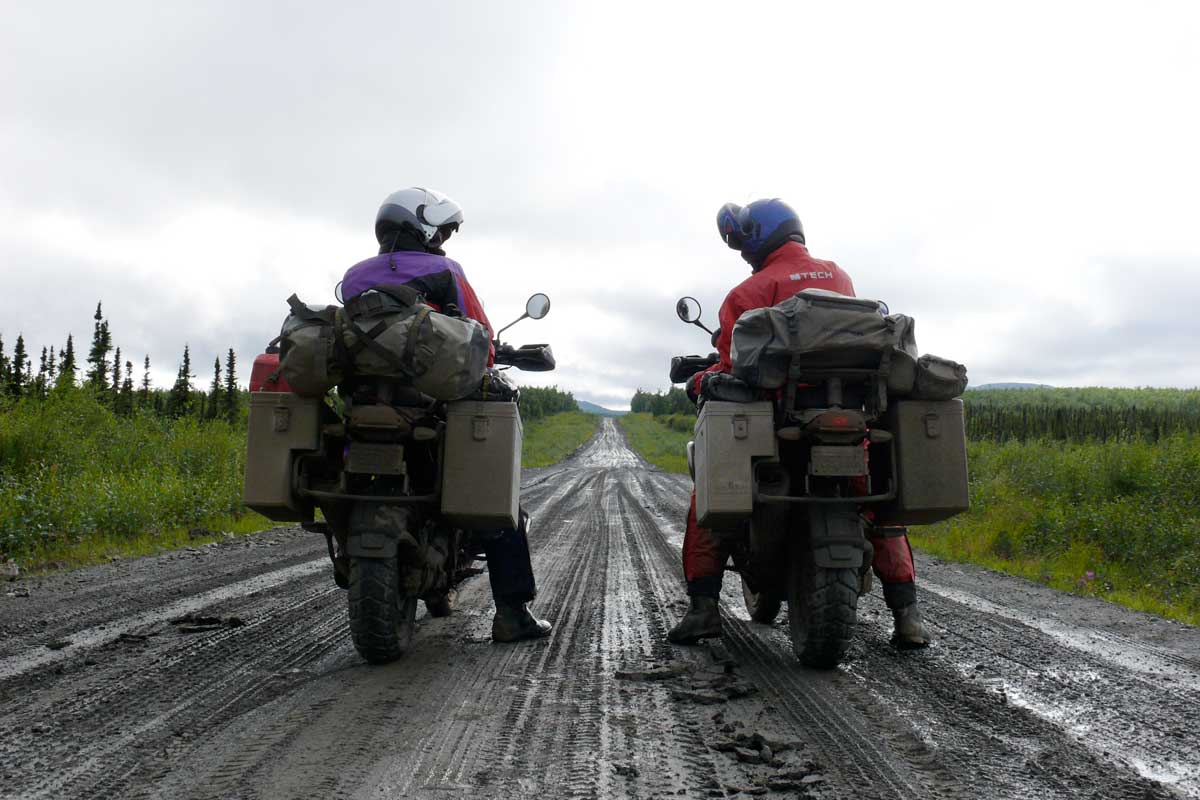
x,y
785,272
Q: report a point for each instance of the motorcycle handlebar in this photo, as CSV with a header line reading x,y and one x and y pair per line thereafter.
x,y
528,357
684,367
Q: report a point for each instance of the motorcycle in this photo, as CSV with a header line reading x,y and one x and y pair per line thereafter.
x,y
791,479
399,478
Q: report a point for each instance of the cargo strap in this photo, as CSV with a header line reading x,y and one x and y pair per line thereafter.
x,y
406,362
382,299
414,331
365,340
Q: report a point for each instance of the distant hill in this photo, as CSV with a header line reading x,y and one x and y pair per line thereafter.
x,y
592,408
1013,386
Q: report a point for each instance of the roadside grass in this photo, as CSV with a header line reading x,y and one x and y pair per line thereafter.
x,y
79,484
1117,520
660,440
103,547
549,440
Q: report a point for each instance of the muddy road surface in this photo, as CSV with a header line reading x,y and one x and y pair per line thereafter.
x,y
227,672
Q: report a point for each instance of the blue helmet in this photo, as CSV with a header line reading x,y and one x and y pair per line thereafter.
x,y
758,229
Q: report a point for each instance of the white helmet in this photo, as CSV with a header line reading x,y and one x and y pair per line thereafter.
x,y
429,215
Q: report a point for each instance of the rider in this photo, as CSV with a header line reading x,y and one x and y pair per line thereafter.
x,y
770,237
411,227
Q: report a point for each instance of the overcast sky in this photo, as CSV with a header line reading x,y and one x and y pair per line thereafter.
x,y
1023,179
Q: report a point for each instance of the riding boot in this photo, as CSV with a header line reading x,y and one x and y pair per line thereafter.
x,y
514,622
910,632
703,621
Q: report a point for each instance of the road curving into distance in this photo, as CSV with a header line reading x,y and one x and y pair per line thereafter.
x,y
227,672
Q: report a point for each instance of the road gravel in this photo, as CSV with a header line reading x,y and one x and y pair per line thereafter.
x,y
227,672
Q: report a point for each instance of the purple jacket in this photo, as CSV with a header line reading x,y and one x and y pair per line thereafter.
x,y
441,280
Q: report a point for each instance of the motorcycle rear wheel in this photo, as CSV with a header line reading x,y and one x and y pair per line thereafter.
x,y
822,608
382,621
761,606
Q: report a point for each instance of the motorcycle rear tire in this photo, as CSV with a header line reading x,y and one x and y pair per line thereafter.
x,y
761,606
382,621
822,608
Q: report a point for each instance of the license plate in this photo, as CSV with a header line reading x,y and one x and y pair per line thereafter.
x,y
840,462
375,459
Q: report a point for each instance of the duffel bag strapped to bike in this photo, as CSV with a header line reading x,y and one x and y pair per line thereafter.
x,y
308,349
388,332
938,379
819,328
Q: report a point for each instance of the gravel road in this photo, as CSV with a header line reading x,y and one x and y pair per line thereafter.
x,y
227,672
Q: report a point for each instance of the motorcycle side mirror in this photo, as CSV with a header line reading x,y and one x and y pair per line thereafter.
x,y
337,293
537,306
688,310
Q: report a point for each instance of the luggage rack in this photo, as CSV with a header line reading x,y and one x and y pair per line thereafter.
x,y
303,490
834,380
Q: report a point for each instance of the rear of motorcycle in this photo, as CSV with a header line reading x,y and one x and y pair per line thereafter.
x,y
792,507
378,483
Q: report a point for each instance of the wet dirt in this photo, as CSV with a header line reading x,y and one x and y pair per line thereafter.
x,y
227,672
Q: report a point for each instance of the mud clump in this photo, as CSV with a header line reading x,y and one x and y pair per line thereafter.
x,y
197,623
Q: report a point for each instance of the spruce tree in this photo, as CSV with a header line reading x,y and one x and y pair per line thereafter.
x,y
52,372
231,389
3,365
18,370
116,373
214,393
66,364
43,376
180,401
125,398
146,380
97,376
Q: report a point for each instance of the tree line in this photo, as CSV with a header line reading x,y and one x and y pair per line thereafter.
x,y
110,377
662,404
542,401
999,415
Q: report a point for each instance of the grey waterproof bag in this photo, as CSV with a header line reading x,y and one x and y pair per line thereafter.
x,y
938,379
308,349
390,333
818,329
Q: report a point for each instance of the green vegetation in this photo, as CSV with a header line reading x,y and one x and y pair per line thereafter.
x,y
79,481
542,401
660,440
672,401
1119,520
549,440
1081,414
554,426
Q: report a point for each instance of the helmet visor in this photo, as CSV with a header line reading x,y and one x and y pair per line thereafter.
x,y
444,213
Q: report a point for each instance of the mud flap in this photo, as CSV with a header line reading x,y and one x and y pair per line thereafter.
x,y
837,538
375,530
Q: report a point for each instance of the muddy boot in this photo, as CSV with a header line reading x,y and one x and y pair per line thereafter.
x,y
514,622
703,621
910,632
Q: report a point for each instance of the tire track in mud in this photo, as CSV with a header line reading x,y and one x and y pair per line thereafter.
x,y
100,737
281,707
963,727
